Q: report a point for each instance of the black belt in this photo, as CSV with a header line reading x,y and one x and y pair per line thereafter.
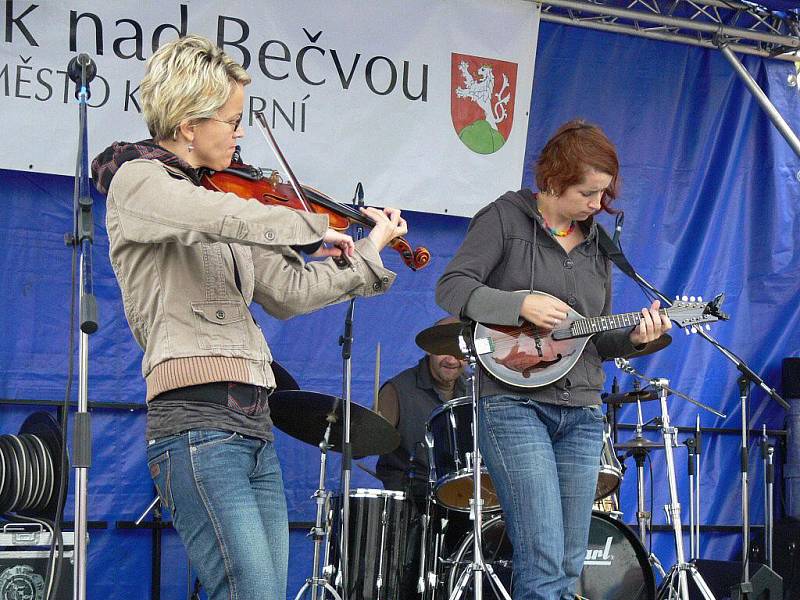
x,y
242,397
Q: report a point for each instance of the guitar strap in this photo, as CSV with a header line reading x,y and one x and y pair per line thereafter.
x,y
614,253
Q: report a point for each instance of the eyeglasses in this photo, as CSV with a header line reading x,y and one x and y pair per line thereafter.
x,y
235,123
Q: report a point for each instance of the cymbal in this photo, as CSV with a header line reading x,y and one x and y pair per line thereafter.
x,y
637,443
654,346
303,415
283,379
632,396
441,339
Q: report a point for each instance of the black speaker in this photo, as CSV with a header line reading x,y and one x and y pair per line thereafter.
x,y
786,555
790,377
723,576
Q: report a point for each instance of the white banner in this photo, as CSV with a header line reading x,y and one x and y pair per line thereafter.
x,y
426,103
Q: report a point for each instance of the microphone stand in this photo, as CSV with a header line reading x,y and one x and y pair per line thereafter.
x,y
478,566
767,455
745,588
346,342
82,70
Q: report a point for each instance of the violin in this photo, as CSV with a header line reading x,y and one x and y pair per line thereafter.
x,y
268,188
247,181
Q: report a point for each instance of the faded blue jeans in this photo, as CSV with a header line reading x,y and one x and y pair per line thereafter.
x,y
543,460
225,492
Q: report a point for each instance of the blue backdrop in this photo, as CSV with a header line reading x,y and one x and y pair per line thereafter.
x,y
710,192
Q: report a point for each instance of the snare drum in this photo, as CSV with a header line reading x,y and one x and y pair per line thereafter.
x,y
376,545
450,447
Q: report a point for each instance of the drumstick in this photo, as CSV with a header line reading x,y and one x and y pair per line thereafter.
x,y
377,385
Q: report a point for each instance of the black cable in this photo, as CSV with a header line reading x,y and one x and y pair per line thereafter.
x,y
652,500
746,542
57,540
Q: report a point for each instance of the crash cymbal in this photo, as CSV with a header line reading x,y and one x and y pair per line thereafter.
x,y
654,346
628,397
304,415
637,443
441,339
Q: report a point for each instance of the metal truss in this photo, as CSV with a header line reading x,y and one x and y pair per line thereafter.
x,y
743,27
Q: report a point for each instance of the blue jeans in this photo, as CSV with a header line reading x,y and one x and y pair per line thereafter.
x,y
544,461
225,492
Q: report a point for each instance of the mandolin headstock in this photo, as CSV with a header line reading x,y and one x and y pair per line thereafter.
x,y
691,312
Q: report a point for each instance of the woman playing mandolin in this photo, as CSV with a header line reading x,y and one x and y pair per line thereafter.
x,y
189,261
542,445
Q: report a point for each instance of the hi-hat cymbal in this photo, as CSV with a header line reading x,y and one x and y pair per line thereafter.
x,y
304,415
632,396
654,346
441,339
638,444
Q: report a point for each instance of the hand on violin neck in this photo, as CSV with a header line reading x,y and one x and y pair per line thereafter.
x,y
388,225
340,243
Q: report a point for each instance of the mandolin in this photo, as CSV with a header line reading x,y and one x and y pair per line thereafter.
x,y
529,356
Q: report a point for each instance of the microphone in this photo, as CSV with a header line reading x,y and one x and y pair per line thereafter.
x,y
81,70
358,195
618,227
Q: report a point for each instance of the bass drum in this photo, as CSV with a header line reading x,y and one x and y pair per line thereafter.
x,y
615,568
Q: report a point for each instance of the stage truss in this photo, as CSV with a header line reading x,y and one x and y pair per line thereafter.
x,y
744,27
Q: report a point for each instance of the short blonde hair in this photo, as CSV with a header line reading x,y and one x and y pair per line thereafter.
x,y
189,78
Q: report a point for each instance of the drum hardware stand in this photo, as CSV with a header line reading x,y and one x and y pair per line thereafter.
x,y
693,448
429,578
693,508
682,569
478,566
639,454
426,521
643,516
767,455
318,532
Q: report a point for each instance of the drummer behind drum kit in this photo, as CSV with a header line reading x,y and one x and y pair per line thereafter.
x,y
617,565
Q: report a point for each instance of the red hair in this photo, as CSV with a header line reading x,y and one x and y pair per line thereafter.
x,y
574,149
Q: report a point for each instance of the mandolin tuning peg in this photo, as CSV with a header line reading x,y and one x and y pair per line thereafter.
x,y
691,298
684,298
686,330
708,327
677,297
694,329
699,298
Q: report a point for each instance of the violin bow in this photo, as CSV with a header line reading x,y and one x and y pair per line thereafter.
x,y
263,126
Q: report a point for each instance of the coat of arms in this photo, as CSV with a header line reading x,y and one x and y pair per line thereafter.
x,y
482,101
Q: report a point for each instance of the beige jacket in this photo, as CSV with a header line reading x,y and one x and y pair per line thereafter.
x,y
175,247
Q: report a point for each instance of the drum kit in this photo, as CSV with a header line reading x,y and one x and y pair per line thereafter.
x,y
384,556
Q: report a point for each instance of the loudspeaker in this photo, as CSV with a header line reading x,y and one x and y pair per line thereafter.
x,y
790,377
786,555
722,576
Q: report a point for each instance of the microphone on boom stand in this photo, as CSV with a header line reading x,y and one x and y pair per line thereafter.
x,y
82,70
